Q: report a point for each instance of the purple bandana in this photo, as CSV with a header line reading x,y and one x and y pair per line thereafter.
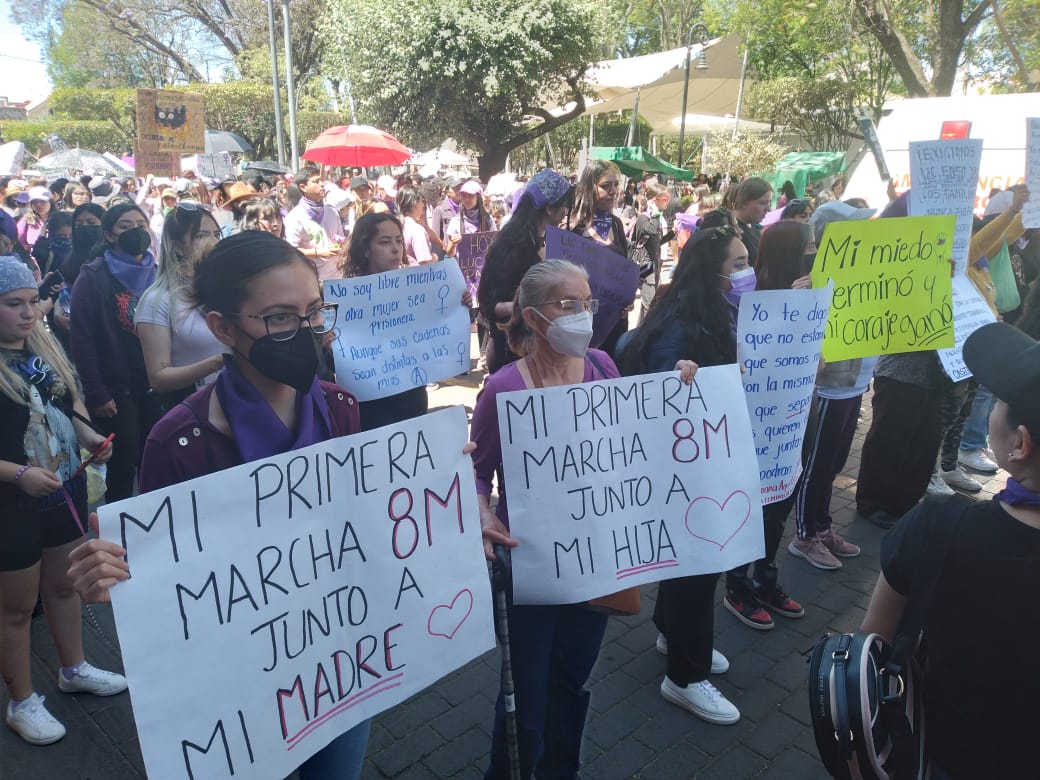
x,y
314,210
602,222
258,431
1016,494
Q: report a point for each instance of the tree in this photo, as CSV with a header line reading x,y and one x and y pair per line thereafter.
x,y
741,154
924,39
194,39
481,71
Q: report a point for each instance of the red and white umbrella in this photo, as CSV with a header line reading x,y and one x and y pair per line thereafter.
x,y
356,146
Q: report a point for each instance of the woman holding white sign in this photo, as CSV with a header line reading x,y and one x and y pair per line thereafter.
x,y
553,646
696,319
262,299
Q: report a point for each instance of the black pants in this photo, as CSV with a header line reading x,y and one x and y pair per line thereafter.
x,y
774,518
899,450
685,614
134,418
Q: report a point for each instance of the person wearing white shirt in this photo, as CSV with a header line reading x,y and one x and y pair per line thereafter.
x,y
314,227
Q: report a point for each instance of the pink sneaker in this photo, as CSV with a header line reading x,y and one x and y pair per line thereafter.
x,y
815,552
839,545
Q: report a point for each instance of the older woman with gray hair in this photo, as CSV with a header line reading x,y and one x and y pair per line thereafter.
x,y
554,646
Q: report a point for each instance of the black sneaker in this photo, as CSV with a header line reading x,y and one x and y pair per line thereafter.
x,y
747,610
775,600
880,518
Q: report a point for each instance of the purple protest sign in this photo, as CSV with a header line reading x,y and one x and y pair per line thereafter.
x,y
470,253
613,278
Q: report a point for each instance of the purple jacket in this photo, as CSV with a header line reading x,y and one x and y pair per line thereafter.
x,y
184,446
487,460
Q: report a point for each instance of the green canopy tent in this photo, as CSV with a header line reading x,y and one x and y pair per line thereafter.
x,y
635,162
803,169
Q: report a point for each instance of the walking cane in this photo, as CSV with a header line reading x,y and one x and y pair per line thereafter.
x,y
500,577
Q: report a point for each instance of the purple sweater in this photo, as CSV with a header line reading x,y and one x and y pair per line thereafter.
x,y
487,460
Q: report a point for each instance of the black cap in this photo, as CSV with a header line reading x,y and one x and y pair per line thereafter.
x,y
359,181
1007,362
453,182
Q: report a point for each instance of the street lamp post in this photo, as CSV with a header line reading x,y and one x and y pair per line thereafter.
x,y
699,32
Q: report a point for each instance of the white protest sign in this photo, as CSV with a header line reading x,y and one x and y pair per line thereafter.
x,y
970,312
943,178
274,605
627,481
779,340
1031,211
400,329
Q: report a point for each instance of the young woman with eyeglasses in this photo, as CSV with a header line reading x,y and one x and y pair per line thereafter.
x,y
262,300
180,352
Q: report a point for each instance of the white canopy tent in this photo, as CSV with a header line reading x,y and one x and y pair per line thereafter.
x,y
656,81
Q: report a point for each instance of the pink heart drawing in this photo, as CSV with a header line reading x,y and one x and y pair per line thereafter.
x,y
448,621
718,518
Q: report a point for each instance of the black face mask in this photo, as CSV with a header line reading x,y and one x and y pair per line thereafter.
x,y
85,236
134,241
293,362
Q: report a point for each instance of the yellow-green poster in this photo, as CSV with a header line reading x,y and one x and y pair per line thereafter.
x,y
892,286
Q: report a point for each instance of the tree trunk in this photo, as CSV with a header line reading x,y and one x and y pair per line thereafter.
x,y
493,161
875,16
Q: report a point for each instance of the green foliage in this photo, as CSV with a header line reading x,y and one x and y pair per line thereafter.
x,y
742,154
477,70
824,111
96,136
311,124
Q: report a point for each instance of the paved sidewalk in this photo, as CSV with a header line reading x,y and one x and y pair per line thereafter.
x,y
632,732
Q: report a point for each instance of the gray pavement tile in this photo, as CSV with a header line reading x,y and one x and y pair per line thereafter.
x,y
773,734
790,673
462,717
623,760
403,753
416,711
712,739
660,733
680,762
615,687
455,755
739,761
793,764
608,730
759,701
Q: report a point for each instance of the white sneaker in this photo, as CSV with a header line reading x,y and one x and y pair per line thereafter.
x,y
703,700
91,680
719,662
31,721
937,485
959,480
977,460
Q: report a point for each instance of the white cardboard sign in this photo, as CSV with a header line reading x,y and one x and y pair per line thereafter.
x,y
274,605
400,329
970,312
779,340
627,481
943,178
1031,211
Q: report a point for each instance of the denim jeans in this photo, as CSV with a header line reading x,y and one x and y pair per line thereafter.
x,y
977,425
341,759
553,651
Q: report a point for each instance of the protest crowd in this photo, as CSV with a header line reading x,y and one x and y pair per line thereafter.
x,y
154,331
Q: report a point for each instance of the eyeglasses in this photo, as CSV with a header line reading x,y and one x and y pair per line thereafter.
x,y
283,326
574,306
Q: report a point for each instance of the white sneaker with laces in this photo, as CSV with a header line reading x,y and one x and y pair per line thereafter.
x,y
719,662
31,721
977,460
937,485
89,679
959,480
701,699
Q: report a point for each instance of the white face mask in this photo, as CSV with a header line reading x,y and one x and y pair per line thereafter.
x,y
570,334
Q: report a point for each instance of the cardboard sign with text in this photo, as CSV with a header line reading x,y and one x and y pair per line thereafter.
x,y
400,329
274,605
471,251
892,287
613,278
627,481
970,312
943,178
779,337
1031,211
